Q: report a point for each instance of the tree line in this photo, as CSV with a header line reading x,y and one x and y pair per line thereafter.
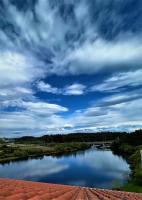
x,y
134,138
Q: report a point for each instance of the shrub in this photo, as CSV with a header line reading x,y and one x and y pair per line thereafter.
x,y
138,177
20,153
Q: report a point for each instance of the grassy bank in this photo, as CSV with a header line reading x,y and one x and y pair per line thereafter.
x,y
10,152
132,155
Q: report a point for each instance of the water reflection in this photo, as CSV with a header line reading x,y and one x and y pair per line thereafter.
x,y
92,168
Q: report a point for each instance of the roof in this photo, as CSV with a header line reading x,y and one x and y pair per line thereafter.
x,y
27,190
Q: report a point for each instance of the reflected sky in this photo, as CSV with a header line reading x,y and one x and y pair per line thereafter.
x,y
92,168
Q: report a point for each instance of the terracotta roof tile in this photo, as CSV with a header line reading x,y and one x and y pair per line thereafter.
x,y
27,190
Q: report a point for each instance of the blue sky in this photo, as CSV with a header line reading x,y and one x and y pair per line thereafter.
x,y
70,66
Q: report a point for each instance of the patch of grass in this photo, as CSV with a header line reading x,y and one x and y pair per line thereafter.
x,y
131,187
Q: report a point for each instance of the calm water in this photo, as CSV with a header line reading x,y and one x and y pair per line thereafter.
x,y
92,168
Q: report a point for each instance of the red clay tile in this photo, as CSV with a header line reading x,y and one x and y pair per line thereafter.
x,y
27,190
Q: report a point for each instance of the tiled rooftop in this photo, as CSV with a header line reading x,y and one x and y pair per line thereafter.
x,y
26,190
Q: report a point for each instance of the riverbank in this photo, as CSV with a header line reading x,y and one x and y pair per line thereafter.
x,y
126,145
132,155
11,152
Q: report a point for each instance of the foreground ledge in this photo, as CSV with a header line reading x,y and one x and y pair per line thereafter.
x,y
26,190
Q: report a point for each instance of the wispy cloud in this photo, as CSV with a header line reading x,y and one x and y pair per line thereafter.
x,y
119,81
118,112
101,55
96,41
55,36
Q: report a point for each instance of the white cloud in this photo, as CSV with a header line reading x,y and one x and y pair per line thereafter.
x,y
115,113
93,57
15,92
16,68
47,40
43,108
68,126
40,118
84,52
37,107
45,87
74,89
120,80
31,122
30,117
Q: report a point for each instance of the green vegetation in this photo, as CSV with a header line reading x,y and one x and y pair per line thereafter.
x,y
74,137
26,147
129,147
9,152
130,187
2,141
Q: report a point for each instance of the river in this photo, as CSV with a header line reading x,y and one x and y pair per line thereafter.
x,y
89,168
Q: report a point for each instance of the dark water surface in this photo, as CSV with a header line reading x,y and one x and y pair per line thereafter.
x,y
91,168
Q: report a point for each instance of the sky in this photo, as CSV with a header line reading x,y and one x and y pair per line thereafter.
x,y
70,66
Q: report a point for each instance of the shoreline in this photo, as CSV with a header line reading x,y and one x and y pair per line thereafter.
x,y
59,149
132,155
29,152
